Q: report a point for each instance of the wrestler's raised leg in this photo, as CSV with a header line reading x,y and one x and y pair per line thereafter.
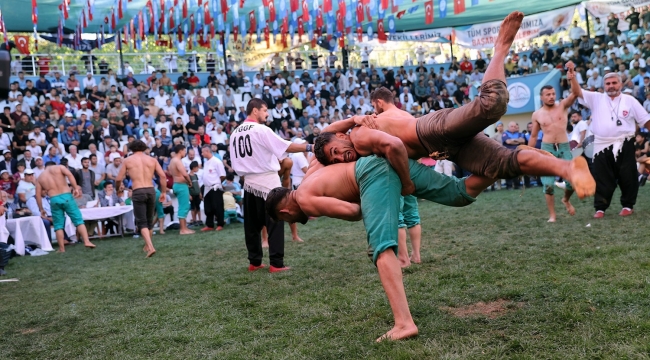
x,y
575,171
390,275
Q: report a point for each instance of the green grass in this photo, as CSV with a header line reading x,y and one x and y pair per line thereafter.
x,y
584,291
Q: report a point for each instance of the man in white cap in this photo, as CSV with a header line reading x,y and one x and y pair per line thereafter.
x,y
88,83
612,49
295,86
84,110
613,123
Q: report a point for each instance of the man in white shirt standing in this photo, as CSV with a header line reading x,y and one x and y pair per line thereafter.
x,y
74,159
256,152
214,173
576,32
613,123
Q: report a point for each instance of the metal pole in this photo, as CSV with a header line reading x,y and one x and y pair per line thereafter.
x,y
223,47
119,44
451,48
587,19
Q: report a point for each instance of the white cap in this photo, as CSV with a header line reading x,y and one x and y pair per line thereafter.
x,y
310,85
610,43
596,47
266,88
246,78
3,171
76,89
317,92
68,114
296,77
258,96
404,81
607,68
544,64
29,172
125,109
6,151
114,156
363,83
627,91
83,102
357,86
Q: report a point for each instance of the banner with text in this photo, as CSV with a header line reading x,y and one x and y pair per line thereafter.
x,y
421,35
603,8
484,35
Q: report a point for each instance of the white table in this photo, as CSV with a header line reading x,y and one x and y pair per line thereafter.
x,y
100,213
28,230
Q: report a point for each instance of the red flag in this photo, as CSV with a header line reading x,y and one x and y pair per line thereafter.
x,y
200,2
339,21
212,31
400,14
265,3
359,34
381,35
459,6
83,15
112,20
119,10
206,14
305,11
294,4
267,38
271,11
319,19
34,12
342,41
313,43
384,4
141,25
185,8
22,43
133,37
285,25
342,8
359,12
90,13
179,32
428,12
251,20
224,9
171,18
393,7
241,3
301,27
192,25
235,31
64,8
368,16
327,6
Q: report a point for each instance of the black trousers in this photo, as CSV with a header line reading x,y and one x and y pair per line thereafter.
x,y
609,173
255,217
213,206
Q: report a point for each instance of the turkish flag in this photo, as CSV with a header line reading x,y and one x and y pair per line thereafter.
x,y
342,8
185,8
381,35
368,16
241,4
206,14
251,20
305,11
327,6
22,43
235,31
271,7
359,12
171,18
119,9
384,4
224,8
319,19
339,21
359,34
428,12
267,37
400,14
301,27
459,6
341,41
192,24
294,4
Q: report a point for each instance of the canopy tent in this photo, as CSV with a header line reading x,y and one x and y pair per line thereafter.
x,y
397,15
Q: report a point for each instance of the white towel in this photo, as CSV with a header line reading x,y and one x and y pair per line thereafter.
x,y
261,184
601,143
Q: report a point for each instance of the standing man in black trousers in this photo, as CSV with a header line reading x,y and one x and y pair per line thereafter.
x,y
214,173
255,152
614,118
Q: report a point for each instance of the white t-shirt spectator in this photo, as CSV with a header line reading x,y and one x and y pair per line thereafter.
x,y
4,142
216,138
299,163
213,170
36,150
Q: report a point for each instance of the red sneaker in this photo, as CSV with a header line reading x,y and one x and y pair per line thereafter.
x,y
626,212
207,229
273,269
219,228
599,214
252,267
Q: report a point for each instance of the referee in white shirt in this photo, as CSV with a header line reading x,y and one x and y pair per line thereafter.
x,y
214,174
613,123
255,152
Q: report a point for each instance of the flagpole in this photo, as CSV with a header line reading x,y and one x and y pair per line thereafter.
x,y
587,19
451,48
119,44
223,47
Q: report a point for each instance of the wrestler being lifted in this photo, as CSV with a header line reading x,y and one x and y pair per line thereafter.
x,y
456,134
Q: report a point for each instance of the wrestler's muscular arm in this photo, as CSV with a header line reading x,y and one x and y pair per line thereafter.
x,y
326,206
533,133
367,142
575,90
343,126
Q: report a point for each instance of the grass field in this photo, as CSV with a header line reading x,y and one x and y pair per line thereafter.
x,y
572,292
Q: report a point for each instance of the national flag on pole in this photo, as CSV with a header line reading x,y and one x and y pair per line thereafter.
x,y
319,19
251,21
339,21
206,13
459,7
359,12
91,10
381,34
301,27
22,43
305,11
327,6
442,7
359,34
384,4
342,7
294,5
119,9
171,19
224,9
34,13
83,16
271,7
400,14
184,8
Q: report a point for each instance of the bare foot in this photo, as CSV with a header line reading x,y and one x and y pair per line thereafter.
x,y
551,219
416,259
580,178
151,252
187,232
569,208
298,239
404,263
265,244
90,245
508,30
399,333
161,232
61,251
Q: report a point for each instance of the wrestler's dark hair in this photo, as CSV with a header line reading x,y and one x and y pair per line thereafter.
x,y
273,200
178,148
255,104
319,147
137,146
545,87
382,93
50,163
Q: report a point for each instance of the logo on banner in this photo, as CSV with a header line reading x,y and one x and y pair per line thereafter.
x,y
519,95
